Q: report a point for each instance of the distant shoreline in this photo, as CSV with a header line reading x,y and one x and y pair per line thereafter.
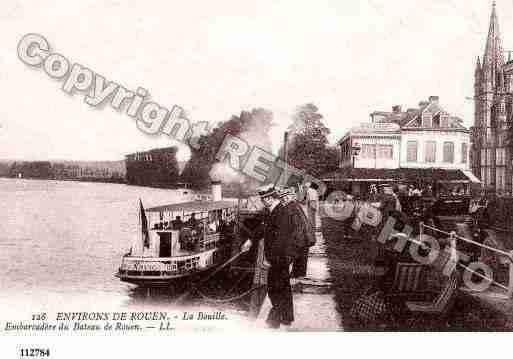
x,y
229,190
96,180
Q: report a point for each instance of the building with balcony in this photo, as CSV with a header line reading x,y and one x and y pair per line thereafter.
x,y
420,146
379,146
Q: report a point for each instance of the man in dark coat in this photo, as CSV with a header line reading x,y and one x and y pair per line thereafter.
x,y
300,243
280,249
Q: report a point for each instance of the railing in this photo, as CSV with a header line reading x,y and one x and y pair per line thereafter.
x,y
453,238
209,241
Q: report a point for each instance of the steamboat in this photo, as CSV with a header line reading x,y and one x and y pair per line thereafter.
x,y
184,242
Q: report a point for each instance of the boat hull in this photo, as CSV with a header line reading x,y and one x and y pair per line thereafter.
x,y
151,271
143,279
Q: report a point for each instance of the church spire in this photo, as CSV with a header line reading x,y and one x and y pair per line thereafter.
x,y
493,55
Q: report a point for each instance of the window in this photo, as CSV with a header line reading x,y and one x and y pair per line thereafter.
x,y
426,119
411,151
489,136
430,151
464,152
501,156
385,151
436,121
368,151
444,120
448,152
500,140
501,178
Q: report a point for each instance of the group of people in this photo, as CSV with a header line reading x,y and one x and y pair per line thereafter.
x,y
177,224
288,235
191,230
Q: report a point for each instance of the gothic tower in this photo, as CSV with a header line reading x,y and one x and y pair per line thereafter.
x,y
490,113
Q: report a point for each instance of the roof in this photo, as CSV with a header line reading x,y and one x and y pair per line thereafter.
x,y
400,118
397,175
471,177
193,206
411,119
493,54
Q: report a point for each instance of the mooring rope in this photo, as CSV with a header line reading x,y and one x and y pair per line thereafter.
x,y
230,299
195,288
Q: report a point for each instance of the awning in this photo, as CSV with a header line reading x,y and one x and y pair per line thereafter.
x,y
471,176
362,175
194,206
411,175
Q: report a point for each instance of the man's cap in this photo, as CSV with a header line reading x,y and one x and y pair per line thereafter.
x,y
266,191
285,192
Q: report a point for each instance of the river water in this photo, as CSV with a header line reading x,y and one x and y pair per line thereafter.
x,y
61,243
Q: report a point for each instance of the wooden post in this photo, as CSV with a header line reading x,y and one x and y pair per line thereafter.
x,y
510,280
454,252
236,240
285,155
259,280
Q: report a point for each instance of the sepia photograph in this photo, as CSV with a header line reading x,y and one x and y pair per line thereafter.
x,y
251,167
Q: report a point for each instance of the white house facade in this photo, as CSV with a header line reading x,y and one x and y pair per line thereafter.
x,y
424,137
422,146
379,146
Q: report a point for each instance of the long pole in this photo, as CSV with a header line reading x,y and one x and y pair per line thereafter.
x,y
286,154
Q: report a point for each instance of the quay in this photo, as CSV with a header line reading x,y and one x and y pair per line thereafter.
x,y
342,267
315,308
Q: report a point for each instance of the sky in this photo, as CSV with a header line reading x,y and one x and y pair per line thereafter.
x,y
216,58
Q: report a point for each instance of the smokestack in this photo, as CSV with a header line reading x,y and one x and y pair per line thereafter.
x,y
217,192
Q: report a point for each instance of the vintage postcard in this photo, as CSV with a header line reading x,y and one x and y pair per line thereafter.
x,y
173,169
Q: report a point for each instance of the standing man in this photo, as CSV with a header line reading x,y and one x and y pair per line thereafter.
x,y
279,253
299,234
312,203
395,194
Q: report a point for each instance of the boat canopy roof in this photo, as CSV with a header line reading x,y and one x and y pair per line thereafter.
x,y
194,206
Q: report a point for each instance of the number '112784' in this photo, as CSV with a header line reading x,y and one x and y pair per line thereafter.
x,y
34,352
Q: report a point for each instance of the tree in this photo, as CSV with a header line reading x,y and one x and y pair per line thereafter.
x,y
308,142
252,126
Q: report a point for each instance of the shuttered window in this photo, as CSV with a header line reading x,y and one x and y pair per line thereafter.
x,y
426,119
411,149
449,152
368,151
464,152
430,151
444,120
385,151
